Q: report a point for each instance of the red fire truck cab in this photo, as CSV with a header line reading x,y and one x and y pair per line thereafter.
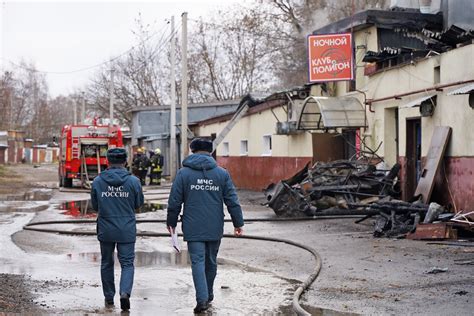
x,y
83,149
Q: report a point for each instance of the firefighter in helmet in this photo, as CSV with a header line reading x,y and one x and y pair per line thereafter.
x,y
156,167
140,165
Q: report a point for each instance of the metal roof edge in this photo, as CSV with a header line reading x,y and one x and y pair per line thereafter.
x,y
267,105
418,100
192,105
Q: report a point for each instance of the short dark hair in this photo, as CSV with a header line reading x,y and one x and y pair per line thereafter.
x,y
201,144
117,156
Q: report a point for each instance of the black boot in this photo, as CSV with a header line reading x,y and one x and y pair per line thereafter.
x,y
201,307
109,303
125,302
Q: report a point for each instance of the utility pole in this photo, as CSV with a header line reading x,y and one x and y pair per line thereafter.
x,y
83,110
74,110
37,112
173,151
10,110
184,87
111,92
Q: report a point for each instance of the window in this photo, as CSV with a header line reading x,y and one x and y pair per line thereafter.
x,y
267,145
437,75
225,149
244,148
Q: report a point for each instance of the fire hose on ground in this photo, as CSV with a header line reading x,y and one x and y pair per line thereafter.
x,y
299,291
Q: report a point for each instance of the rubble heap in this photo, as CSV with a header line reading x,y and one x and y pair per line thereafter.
x,y
345,187
331,186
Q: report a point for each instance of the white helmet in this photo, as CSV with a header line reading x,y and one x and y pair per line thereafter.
x,y
158,151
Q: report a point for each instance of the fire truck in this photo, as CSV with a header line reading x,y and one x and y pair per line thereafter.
x,y
83,151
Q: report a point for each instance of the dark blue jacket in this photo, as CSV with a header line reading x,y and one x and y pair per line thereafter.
x,y
115,196
203,187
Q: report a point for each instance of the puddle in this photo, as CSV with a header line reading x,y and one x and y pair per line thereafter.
x,y
22,206
84,208
142,258
314,311
33,195
78,209
168,291
214,311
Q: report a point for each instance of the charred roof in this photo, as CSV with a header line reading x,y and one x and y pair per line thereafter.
x,y
410,20
402,35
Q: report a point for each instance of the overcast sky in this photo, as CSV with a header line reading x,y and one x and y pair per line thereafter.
x,y
62,36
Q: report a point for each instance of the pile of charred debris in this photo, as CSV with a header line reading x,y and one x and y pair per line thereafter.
x,y
347,187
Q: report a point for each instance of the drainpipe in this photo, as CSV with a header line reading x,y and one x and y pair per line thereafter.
x,y
365,103
365,113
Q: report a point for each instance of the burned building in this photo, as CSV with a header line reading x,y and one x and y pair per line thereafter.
x,y
413,72
262,147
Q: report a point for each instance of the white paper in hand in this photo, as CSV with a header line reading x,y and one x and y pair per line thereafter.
x,y
174,241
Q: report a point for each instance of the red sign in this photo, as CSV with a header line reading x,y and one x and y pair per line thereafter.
x,y
330,57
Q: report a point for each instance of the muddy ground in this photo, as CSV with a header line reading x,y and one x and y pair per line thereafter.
x,y
44,273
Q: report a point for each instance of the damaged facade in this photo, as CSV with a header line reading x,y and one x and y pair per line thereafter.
x,y
264,145
414,73
408,91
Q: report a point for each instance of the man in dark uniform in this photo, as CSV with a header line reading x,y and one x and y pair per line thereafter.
x,y
115,195
136,162
141,163
203,188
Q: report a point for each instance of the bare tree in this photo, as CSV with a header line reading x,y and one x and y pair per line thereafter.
x,y
344,8
229,55
26,106
58,113
7,95
24,97
138,77
295,19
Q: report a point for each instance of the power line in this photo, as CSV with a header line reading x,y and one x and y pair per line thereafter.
x,y
234,29
164,31
89,67
159,48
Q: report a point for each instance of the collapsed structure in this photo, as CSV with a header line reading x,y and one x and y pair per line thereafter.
x,y
331,186
347,187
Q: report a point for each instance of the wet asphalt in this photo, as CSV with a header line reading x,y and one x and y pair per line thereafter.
x,y
65,270
58,274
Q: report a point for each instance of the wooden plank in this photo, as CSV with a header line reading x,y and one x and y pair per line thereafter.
x,y
437,231
439,142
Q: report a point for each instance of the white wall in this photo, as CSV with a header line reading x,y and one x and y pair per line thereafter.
x,y
455,65
253,127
